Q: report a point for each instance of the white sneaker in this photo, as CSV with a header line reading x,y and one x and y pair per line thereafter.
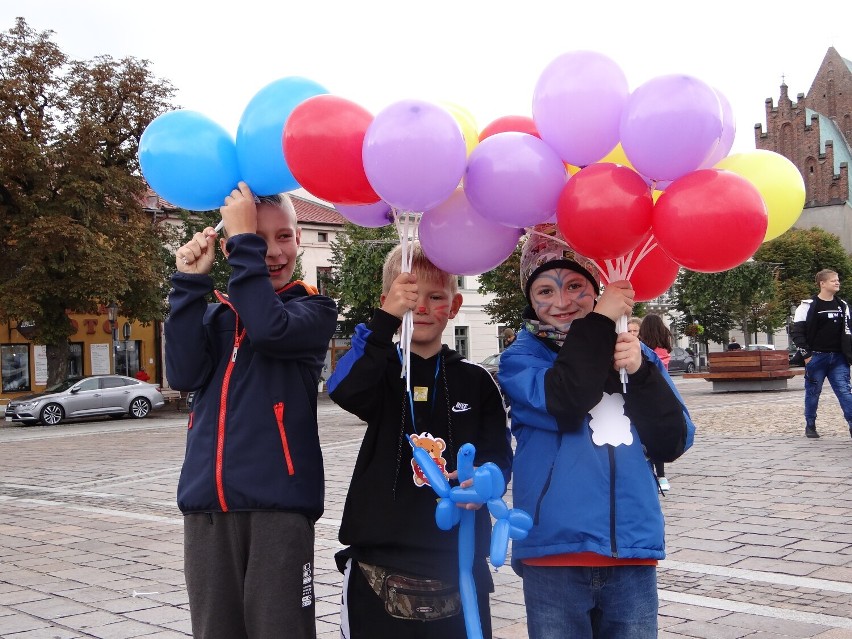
x,y
664,483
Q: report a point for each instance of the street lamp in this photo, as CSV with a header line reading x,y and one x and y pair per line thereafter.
x,y
112,316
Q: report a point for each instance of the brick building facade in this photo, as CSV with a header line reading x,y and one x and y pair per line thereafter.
x,y
815,133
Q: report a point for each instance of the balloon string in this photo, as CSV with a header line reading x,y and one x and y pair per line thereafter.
x,y
406,224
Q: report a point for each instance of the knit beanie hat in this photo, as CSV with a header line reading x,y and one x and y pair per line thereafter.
x,y
545,249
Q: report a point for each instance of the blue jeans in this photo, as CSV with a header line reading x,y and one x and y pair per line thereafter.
x,y
834,367
581,603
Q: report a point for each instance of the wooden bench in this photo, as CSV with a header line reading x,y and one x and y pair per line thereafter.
x,y
733,371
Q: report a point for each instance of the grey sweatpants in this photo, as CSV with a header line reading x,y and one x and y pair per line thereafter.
x,y
249,575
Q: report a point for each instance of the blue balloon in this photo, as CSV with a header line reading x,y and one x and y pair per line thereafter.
x,y
260,151
189,160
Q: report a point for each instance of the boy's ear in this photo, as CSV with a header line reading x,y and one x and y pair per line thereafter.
x,y
222,242
455,305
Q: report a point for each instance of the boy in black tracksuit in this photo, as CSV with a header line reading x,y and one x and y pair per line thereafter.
x,y
389,516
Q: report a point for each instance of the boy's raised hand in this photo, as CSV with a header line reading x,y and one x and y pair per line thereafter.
x,y
239,213
196,256
402,295
616,300
628,353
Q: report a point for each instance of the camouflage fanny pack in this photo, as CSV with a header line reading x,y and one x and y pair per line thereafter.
x,y
407,597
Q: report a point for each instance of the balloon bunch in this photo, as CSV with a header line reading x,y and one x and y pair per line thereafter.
x,y
488,487
640,181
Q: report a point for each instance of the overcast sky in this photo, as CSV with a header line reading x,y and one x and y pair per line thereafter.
x,y
483,55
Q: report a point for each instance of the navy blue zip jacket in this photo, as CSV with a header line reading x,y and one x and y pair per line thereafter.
x,y
254,361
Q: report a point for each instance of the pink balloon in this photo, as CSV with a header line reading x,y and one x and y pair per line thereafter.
x,y
710,220
369,215
670,126
605,210
577,105
414,155
459,240
514,179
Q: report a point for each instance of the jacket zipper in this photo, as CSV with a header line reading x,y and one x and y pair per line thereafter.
x,y
279,417
223,413
613,545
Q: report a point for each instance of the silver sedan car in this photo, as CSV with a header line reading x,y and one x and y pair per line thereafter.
x,y
113,395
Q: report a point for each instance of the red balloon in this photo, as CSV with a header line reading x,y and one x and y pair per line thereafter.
x,y
653,275
710,220
604,211
322,141
516,123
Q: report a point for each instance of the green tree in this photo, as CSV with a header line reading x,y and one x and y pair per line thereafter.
x,y
504,283
744,296
802,254
357,257
73,231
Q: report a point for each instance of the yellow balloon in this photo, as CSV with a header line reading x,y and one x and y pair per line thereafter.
x,y
617,156
466,122
655,195
777,180
572,170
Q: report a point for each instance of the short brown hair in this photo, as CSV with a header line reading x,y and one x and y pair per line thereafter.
x,y
420,264
823,275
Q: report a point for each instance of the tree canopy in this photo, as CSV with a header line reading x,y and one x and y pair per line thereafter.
x,y
73,230
504,282
357,257
803,253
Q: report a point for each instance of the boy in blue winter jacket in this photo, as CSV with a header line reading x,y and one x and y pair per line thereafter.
x,y
251,486
584,450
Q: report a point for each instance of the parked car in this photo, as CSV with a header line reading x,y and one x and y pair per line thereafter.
x,y
491,364
681,361
760,347
113,395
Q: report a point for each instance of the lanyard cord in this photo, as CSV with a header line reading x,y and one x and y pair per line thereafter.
x,y
408,391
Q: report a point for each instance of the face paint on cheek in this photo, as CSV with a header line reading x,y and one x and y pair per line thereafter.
x,y
441,312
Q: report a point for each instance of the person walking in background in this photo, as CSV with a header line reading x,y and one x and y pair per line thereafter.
x,y
821,332
656,336
581,470
251,485
734,345
633,325
508,337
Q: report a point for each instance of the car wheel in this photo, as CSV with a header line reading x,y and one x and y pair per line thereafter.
x,y
690,367
52,414
140,407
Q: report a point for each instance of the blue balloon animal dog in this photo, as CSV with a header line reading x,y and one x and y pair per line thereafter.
x,y
488,488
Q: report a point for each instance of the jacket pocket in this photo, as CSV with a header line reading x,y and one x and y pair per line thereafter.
x,y
279,419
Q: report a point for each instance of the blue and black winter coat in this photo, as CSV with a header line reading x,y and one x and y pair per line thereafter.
x,y
254,362
586,496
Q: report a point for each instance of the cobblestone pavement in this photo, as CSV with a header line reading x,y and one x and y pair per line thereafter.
x,y
758,526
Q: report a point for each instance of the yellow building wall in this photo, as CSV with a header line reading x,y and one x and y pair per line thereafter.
x,y
92,329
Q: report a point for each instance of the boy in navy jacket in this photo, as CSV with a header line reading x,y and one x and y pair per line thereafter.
x,y
251,486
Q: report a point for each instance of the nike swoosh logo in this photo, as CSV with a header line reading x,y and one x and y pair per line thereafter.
x,y
455,409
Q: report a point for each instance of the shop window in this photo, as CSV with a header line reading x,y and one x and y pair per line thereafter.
x,y
75,359
15,367
127,357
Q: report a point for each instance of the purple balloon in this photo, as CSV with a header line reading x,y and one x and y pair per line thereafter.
x,y
369,215
729,130
414,155
459,240
671,125
514,179
577,105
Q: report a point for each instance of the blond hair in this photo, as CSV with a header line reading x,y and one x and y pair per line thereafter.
x,y
420,265
823,275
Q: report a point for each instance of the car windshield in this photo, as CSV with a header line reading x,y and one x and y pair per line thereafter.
x,y
63,386
492,360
